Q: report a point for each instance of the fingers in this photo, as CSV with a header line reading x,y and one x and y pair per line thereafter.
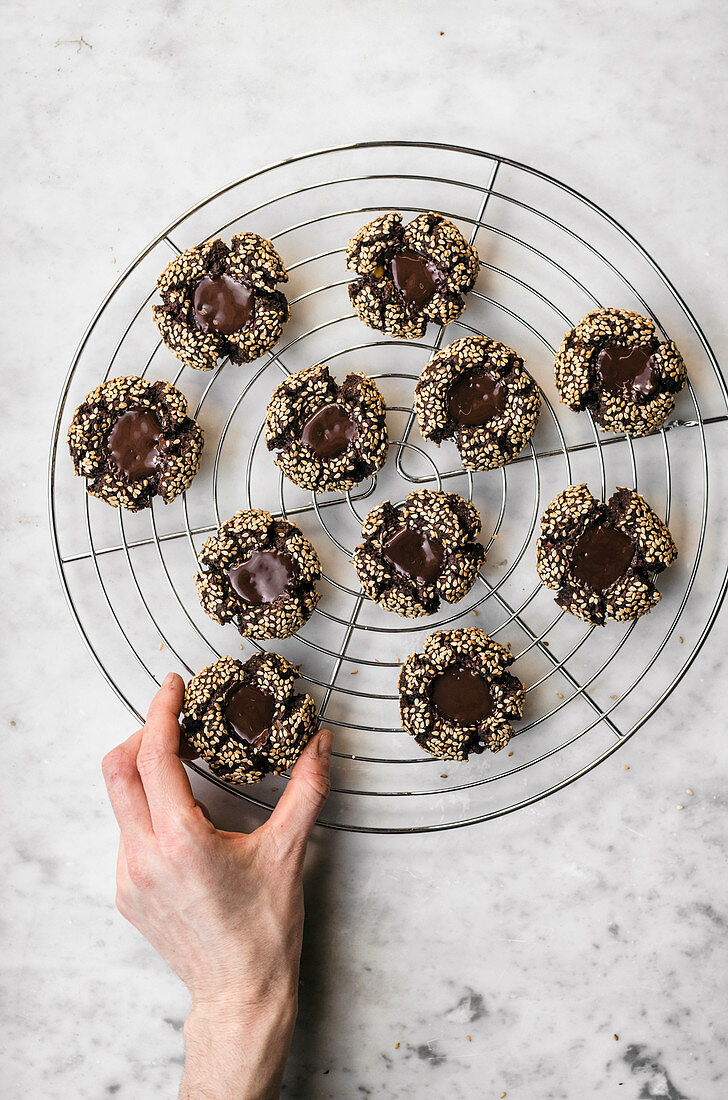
x,y
307,790
165,781
125,789
132,875
167,703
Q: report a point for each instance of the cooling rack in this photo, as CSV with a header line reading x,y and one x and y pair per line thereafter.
x,y
548,255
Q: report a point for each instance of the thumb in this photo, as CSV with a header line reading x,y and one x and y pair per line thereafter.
x,y
307,790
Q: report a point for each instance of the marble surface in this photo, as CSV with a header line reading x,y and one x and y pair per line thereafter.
x,y
572,950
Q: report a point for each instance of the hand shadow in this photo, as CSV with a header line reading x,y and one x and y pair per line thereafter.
x,y
308,1065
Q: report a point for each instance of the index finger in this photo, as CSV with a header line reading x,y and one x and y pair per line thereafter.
x,y
125,789
164,778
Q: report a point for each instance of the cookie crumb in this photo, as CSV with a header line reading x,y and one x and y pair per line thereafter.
x,y
559,695
79,43
687,789
161,645
13,722
616,1037
475,611
354,672
443,775
273,790
625,767
396,1046
469,1038
681,639
680,806
511,753
614,697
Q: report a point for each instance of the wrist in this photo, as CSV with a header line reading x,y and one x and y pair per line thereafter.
x,y
236,1047
239,1010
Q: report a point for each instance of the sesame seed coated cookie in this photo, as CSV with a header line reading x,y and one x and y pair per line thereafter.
x,y
613,364
260,573
410,274
245,719
420,553
133,440
328,437
599,557
457,698
222,301
477,393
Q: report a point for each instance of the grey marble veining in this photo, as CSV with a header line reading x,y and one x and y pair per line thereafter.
x,y
572,950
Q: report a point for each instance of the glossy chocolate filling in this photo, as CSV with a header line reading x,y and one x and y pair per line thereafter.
x,y
249,713
462,695
262,577
329,432
414,277
222,305
415,554
475,399
134,443
628,368
601,556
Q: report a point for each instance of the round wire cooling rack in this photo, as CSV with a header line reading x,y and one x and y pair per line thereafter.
x,y
548,254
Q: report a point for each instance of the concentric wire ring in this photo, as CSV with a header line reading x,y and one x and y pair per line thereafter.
x,y
548,254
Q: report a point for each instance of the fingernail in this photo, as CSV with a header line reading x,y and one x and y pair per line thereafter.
x,y
168,680
325,741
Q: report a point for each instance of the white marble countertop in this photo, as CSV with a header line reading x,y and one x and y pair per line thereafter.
x,y
572,950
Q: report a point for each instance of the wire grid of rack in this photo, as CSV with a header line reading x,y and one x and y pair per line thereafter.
x,y
548,255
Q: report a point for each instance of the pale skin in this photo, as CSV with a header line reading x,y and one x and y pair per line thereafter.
x,y
224,909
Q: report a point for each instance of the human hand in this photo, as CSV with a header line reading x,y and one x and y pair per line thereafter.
x,y
224,909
